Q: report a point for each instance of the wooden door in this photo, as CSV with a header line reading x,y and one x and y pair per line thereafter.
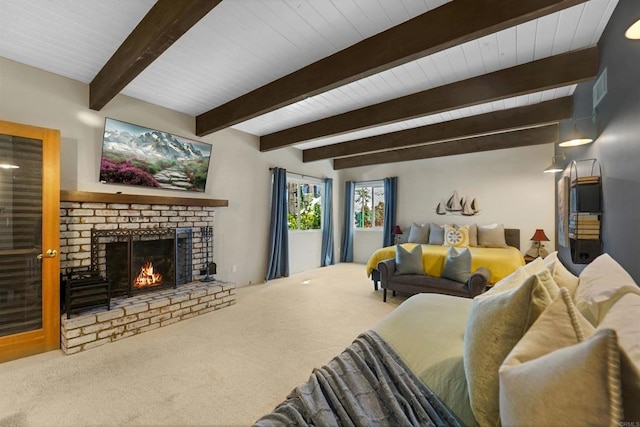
x,y
29,240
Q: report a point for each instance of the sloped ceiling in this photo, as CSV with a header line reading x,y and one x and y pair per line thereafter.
x,y
359,81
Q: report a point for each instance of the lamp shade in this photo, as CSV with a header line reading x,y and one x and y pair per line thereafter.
x,y
396,230
633,32
556,165
539,236
576,138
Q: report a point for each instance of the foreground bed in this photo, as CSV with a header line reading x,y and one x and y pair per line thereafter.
x,y
513,356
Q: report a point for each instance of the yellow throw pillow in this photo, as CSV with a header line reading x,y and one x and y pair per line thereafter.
x,y
495,325
456,236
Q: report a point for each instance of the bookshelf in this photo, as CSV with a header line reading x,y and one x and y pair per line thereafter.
x,y
585,210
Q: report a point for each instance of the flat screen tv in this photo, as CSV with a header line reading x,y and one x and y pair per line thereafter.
x,y
135,155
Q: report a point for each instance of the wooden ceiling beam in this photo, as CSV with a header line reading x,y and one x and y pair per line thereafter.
x,y
165,23
449,25
498,121
519,138
552,72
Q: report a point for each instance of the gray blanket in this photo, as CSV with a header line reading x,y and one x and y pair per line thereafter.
x,y
366,385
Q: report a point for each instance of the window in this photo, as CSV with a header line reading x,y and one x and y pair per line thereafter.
x,y
304,204
368,205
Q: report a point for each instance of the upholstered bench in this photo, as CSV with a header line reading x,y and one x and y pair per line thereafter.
x,y
418,283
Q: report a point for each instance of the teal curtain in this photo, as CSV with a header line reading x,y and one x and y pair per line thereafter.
x,y
327,225
390,202
346,251
278,261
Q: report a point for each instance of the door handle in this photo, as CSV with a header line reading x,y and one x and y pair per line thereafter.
x,y
51,253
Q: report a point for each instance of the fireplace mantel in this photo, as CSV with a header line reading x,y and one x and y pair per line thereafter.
x,y
90,197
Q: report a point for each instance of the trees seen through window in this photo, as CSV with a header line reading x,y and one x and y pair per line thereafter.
x,y
369,206
304,205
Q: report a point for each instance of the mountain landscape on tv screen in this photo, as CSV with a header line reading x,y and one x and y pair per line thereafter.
x,y
153,158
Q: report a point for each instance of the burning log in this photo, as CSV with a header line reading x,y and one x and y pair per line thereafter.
x,y
147,277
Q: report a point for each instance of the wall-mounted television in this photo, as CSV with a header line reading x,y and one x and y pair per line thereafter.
x,y
135,155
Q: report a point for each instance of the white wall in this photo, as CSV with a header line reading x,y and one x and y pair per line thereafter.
x,y
365,242
508,184
238,171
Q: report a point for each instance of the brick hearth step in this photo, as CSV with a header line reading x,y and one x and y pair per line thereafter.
x,y
142,313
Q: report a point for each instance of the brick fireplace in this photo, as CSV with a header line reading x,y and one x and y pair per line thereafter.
x,y
137,225
78,219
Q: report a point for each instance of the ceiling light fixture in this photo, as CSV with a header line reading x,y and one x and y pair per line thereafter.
x,y
556,165
633,32
576,138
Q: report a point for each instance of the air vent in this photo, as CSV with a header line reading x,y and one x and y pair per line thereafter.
x,y
600,88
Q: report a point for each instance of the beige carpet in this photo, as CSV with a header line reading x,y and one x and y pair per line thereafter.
x,y
227,367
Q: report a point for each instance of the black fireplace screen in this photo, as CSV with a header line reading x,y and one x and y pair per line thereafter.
x,y
142,260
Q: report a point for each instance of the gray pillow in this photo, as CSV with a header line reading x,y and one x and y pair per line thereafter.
x,y
419,234
409,261
436,234
473,234
491,236
402,238
457,266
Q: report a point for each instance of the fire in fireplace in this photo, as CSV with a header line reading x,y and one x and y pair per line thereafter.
x,y
147,277
142,260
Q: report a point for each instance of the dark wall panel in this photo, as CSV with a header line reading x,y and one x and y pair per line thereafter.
x,y
617,146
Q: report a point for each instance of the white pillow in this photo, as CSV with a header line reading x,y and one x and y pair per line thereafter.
x,y
521,273
623,318
535,266
575,385
495,325
563,277
601,283
511,281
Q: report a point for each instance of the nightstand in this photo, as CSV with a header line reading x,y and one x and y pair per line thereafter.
x,y
529,258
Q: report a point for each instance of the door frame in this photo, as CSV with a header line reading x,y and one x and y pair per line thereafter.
x,y
48,337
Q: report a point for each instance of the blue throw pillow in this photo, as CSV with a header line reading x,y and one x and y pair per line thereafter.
x,y
436,234
457,266
409,262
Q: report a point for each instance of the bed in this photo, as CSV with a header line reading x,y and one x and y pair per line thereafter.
x,y
500,261
428,362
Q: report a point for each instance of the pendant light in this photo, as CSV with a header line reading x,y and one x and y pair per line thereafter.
x,y
633,32
576,138
556,165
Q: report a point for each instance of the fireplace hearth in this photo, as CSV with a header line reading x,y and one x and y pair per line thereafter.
x,y
137,261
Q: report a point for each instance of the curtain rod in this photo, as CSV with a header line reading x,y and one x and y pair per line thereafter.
x,y
370,181
302,175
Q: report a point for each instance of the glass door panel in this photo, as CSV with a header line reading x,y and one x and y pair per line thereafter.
x,y
20,234
29,240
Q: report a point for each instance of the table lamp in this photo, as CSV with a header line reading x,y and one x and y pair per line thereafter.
x,y
537,238
396,231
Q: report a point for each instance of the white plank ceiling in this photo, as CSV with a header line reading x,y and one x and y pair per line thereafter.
x,y
243,44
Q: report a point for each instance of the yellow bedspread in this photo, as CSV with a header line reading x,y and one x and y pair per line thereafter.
x,y
501,261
